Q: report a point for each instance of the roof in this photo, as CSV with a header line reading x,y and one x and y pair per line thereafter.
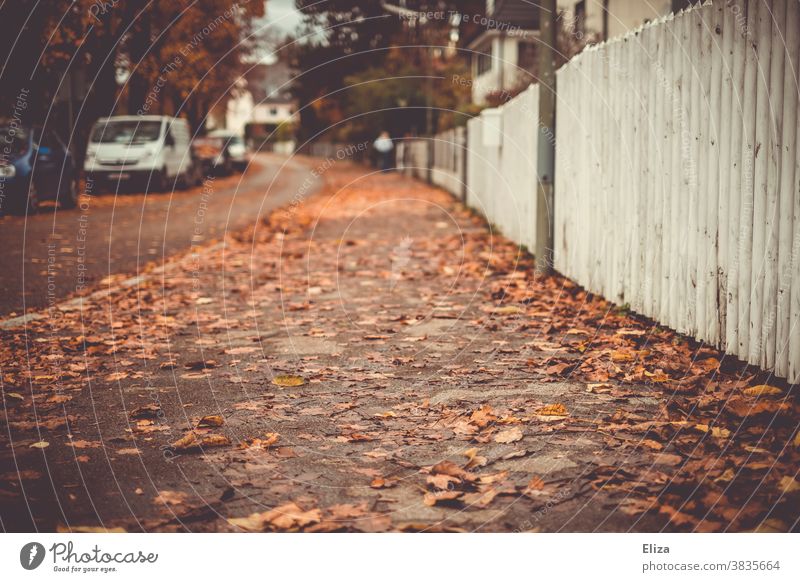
x,y
506,17
517,13
270,83
135,118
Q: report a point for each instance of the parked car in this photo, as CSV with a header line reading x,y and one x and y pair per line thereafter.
x,y
210,154
34,165
233,148
152,150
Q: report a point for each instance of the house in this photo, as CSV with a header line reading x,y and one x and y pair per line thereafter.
x,y
503,54
600,20
261,103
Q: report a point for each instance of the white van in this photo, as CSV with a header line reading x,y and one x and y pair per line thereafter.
x,y
153,149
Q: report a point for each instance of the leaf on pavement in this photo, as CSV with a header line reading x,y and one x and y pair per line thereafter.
x,y
192,442
212,420
150,411
286,517
483,416
762,390
553,410
431,498
474,460
511,435
168,497
288,381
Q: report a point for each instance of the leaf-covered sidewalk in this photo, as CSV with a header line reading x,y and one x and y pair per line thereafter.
x,y
373,360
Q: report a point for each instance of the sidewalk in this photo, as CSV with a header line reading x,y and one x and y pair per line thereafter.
x,y
386,363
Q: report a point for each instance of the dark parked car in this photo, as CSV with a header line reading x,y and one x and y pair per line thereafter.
x,y
34,165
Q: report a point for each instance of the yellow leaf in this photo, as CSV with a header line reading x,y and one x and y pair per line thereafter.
x,y
288,381
720,433
553,410
116,376
40,445
762,390
788,484
215,440
210,420
508,310
15,395
726,477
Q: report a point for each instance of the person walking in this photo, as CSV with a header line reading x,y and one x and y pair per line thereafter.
x,y
385,148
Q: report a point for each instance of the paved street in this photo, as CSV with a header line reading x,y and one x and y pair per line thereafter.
x,y
44,255
376,359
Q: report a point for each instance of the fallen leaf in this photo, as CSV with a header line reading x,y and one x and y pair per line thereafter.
x,y
552,410
535,484
788,484
150,411
285,517
40,445
191,442
116,376
511,435
167,497
721,433
762,390
483,416
431,498
210,421
288,381
474,460
450,468
383,483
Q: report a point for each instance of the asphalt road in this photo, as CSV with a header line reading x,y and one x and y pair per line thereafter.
x,y
57,254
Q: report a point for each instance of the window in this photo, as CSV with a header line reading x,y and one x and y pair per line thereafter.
x,y
484,61
126,132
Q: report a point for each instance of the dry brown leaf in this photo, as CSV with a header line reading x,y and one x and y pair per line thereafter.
x,y
788,484
483,416
167,497
474,460
383,482
762,390
212,420
431,498
510,435
149,411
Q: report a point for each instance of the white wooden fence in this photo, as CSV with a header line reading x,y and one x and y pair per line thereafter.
x,y
501,165
682,197
448,168
677,186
